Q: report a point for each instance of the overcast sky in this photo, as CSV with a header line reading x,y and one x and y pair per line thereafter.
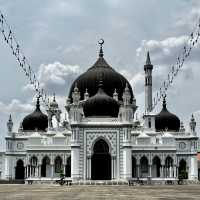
x,y
59,38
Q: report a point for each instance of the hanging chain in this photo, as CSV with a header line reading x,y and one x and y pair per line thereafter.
x,y
11,41
185,53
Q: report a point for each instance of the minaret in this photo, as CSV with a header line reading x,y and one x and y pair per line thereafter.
x,y
10,124
193,125
148,67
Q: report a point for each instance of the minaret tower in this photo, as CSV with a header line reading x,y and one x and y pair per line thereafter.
x,y
148,67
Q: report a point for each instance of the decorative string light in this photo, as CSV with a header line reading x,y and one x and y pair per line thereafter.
x,y
175,69
11,41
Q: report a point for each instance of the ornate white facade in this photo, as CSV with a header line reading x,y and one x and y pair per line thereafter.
x,y
100,147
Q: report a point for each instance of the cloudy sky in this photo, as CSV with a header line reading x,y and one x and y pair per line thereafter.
x,y
59,38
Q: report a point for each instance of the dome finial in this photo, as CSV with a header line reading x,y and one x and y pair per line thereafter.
x,y
38,102
148,60
54,97
164,101
101,42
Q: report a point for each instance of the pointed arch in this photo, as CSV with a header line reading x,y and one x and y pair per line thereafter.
x,y
19,170
156,167
144,166
101,161
58,167
68,167
182,169
45,167
134,167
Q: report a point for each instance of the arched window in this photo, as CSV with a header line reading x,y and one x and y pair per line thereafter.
x,y
144,164
68,167
34,163
156,167
134,167
182,170
45,166
58,164
19,170
101,147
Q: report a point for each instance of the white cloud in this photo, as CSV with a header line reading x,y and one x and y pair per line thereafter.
x,y
162,51
56,77
15,106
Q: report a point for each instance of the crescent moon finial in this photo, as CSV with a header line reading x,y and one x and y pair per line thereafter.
x,y
101,42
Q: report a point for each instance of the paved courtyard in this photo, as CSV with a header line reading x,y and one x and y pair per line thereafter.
x,y
56,192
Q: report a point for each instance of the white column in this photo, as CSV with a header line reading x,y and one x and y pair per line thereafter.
x,y
75,163
127,161
138,171
39,171
174,171
170,171
150,170
193,168
25,172
113,168
52,171
89,168
64,169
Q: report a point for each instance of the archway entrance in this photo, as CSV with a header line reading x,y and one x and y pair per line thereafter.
x,y
134,167
156,167
19,170
182,170
144,167
68,168
101,161
45,168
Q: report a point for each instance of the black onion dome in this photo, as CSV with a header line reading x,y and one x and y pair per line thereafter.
x,y
101,105
166,120
111,79
36,120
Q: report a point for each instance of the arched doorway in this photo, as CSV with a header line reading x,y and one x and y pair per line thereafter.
x,y
168,167
134,167
45,167
68,167
182,169
58,168
19,170
34,165
144,167
101,161
156,167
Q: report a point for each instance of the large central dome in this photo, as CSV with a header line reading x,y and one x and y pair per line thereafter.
x,y
101,70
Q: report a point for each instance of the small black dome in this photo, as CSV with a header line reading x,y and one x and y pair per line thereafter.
x,y
101,105
111,79
36,120
166,120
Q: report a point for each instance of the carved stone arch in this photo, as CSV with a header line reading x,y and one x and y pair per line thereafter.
x,y
33,160
32,156
19,169
46,156
156,155
101,138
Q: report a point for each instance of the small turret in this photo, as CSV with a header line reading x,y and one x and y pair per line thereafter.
x,y
10,124
76,95
193,125
126,95
115,95
53,110
86,94
182,128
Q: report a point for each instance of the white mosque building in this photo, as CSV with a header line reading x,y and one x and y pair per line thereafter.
x,y
102,139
